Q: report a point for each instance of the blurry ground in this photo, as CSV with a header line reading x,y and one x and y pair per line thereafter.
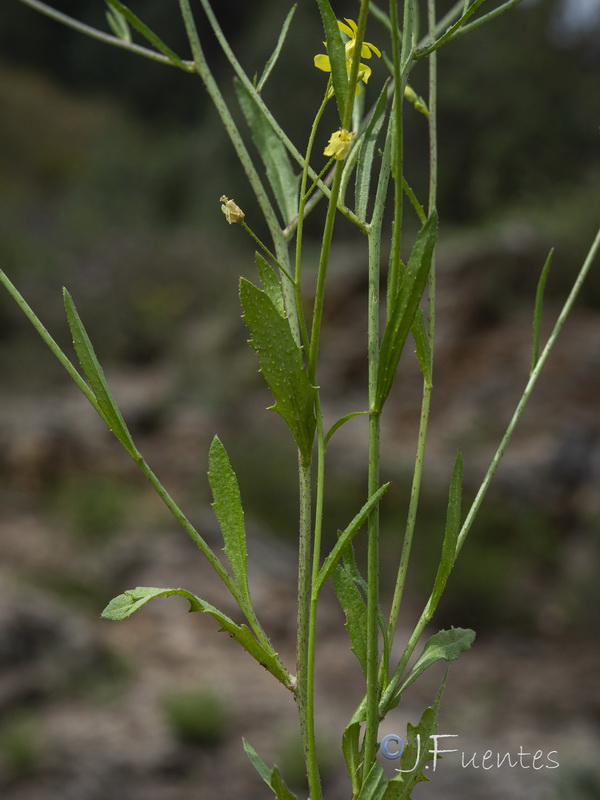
x,y
155,707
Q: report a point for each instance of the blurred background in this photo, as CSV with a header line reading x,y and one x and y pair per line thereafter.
x,y
111,168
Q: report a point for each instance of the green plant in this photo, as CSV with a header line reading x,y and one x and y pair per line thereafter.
x,y
367,147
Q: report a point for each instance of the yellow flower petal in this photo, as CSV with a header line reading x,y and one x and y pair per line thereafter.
x,y
339,144
364,72
322,62
345,29
352,25
376,50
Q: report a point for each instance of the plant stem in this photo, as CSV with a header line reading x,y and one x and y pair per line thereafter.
x,y
300,220
315,333
107,38
387,701
486,18
450,33
305,637
566,309
427,386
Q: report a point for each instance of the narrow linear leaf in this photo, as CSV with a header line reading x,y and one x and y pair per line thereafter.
x,y
270,283
257,762
118,24
347,535
95,375
275,55
336,51
227,505
405,306
282,179
375,785
351,752
537,313
148,34
451,531
349,562
129,602
416,753
445,645
282,365
272,777
342,421
422,345
355,611
367,154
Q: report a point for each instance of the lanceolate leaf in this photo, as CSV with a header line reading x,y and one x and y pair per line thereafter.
x,y
95,375
129,602
228,510
446,645
451,532
282,365
149,35
405,306
272,777
423,348
537,313
275,55
355,610
282,179
367,153
336,51
351,751
375,785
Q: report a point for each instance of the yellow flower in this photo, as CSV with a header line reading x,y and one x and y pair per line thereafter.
x,y
323,62
233,213
339,144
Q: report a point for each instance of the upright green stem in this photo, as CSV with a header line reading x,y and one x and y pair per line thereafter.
x,y
400,56
373,680
300,220
427,386
305,674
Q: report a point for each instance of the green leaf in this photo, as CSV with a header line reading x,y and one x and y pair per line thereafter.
x,y
445,645
375,784
257,762
416,753
129,602
336,50
451,532
405,306
351,751
355,611
282,365
149,35
275,55
537,313
367,154
423,347
280,174
228,510
347,535
270,283
272,777
95,375
118,24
